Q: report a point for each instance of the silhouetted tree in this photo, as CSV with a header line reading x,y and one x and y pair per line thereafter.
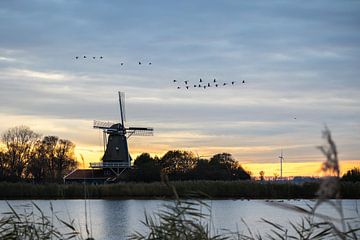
x,y
19,142
202,170
26,156
262,174
352,175
3,162
147,169
64,158
51,158
224,167
177,162
37,167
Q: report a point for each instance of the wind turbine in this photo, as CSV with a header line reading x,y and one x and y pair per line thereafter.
x,y
281,162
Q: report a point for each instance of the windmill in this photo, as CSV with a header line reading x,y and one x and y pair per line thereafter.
x,y
115,135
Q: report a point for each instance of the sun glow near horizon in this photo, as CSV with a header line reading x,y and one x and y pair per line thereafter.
x,y
271,168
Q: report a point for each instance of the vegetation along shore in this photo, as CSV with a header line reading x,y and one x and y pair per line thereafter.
x,y
209,189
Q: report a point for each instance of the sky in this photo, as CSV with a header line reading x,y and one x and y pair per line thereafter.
x,y
300,61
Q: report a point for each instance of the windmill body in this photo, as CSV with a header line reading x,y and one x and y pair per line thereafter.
x,y
116,148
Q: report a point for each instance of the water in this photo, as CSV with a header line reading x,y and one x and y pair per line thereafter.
x,y
116,219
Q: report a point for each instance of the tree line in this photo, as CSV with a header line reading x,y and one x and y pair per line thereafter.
x,y
26,155
184,165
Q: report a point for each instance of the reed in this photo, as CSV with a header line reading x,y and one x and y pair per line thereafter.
x,y
32,224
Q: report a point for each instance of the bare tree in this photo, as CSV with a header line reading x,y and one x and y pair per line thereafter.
x,y
64,158
19,142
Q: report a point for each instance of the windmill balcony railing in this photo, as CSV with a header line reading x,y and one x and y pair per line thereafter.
x,y
109,165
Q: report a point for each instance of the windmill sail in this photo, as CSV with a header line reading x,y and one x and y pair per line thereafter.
x,y
122,107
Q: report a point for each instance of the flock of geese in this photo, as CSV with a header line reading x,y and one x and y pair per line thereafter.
x,y
179,84
202,84
101,57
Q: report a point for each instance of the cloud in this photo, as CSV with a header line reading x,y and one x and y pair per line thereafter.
x,y
300,60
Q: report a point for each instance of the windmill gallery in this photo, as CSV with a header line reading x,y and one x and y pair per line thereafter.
x,y
116,159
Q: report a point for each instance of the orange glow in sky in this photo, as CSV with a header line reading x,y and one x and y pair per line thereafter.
x,y
289,168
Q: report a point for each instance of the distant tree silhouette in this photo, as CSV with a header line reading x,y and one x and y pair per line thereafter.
x,y
3,162
203,170
262,174
177,163
352,175
19,142
146,169
26,156
224,167
182,165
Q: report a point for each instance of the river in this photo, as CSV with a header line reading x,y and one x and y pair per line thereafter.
x,y
116,219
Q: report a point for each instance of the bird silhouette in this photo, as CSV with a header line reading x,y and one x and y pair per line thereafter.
x,y
224,84
187,87
194,85
204,87
214,79
122,64
200,80
216,85
208,84
178,87
77,57
186,82
174,80
199,85
101,57
93,57
233,83
150,63
84,56
243,81
139,63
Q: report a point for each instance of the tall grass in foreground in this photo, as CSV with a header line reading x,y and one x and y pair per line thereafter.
x,y
32,224
186,220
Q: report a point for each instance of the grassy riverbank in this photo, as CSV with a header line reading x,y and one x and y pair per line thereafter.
x,y
215,189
